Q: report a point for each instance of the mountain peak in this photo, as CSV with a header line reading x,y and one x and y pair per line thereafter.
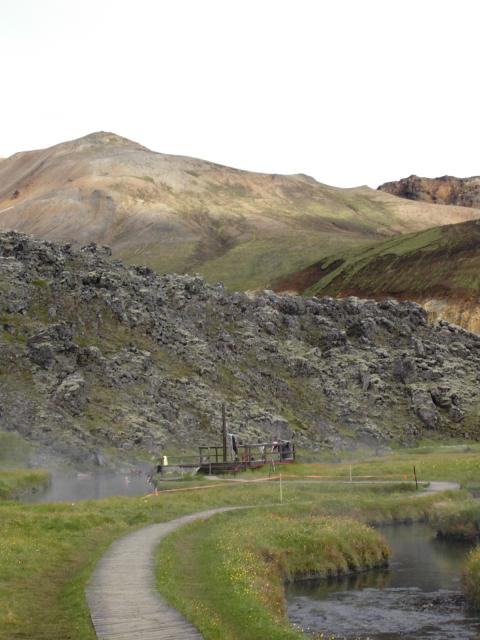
x,y
181,214
109,138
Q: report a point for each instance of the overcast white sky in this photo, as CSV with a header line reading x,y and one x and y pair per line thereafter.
x,y
348,91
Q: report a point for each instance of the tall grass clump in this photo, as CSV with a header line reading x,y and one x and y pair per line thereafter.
x,y
458,520
471,578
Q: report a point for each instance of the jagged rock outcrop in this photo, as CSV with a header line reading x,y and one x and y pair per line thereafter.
x,y
98,357
464,192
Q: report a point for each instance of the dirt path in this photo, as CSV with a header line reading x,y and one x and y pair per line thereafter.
x,y
437,486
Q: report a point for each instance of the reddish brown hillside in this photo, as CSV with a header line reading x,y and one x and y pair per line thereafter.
x,y
439,268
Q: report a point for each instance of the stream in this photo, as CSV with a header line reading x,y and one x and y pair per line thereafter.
x,y
417,598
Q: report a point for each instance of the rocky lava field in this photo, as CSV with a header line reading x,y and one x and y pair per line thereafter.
x,y
101,360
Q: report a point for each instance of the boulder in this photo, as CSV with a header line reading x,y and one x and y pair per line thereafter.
x,y
71,393
424,408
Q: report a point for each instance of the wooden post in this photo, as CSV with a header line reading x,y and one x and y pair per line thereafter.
x,y
224,433
415,476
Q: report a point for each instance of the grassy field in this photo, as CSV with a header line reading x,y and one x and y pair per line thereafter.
x,y
48,551
459,463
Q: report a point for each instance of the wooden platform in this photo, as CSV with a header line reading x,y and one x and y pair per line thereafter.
x,y
122,595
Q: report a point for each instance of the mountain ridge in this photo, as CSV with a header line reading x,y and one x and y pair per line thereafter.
x,y
180,214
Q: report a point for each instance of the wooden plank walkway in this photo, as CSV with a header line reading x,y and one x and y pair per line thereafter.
x,y
122,594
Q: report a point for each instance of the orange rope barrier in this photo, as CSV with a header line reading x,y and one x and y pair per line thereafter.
x,y
232,483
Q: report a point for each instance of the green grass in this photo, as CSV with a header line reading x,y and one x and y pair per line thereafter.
x,y
250,563
460,464
168,257
460,520
258,263
227,575
250,264
47,552
471,578
233,567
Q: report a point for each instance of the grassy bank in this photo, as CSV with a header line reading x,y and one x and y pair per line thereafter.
x,y
461,521
471,578
457,520
18,482
227,575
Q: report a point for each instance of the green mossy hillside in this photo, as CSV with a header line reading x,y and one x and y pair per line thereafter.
x,y
438,267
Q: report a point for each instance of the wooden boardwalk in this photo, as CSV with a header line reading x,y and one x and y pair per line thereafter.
x,y
122,594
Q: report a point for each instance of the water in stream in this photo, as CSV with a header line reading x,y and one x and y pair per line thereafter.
x,y
417,598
